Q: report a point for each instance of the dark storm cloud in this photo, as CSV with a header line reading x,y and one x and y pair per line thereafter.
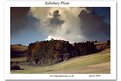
x,y
21,20
93,26
56,19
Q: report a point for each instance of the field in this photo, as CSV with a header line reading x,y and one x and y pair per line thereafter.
x,y
18,50
98,63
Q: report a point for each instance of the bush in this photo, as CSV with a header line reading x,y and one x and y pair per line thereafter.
x,y
16,67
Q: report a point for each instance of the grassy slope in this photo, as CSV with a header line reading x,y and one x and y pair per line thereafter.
x,y
95,63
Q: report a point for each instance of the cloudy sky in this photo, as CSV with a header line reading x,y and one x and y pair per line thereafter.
x,y
31,24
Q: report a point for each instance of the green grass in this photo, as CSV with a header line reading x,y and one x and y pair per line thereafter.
x,y
94,63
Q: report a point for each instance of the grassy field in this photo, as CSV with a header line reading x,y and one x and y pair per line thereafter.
x,y
19,47
98,63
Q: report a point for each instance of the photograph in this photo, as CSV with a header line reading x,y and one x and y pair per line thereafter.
x,y
60,40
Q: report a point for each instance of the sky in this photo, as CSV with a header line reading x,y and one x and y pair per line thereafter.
x,y
78,24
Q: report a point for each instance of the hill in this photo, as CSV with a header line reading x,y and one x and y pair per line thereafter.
x,y
98,63
18,50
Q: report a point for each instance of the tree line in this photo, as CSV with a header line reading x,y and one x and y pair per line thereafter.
x,y
54,51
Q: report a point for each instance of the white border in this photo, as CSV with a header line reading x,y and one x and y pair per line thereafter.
x,y
111,76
